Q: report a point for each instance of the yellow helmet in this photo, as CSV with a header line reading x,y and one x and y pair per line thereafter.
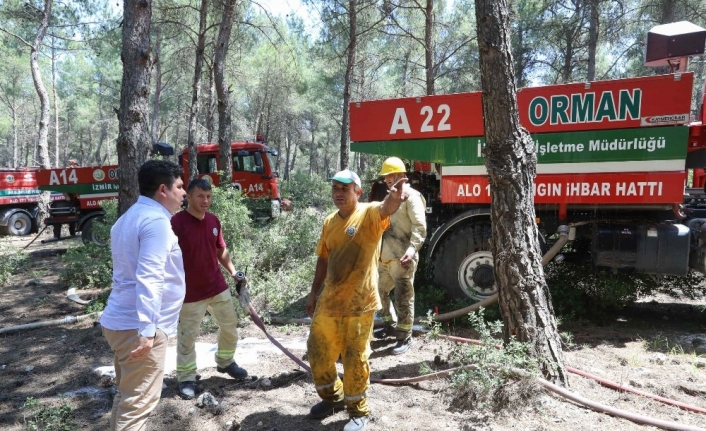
x,y
392,165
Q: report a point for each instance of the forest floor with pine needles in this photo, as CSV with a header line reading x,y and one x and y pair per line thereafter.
x,y
47,375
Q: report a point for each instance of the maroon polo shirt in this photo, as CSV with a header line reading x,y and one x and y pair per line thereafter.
x,y
200,241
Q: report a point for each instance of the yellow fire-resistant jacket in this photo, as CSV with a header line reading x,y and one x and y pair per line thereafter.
x,y
408,228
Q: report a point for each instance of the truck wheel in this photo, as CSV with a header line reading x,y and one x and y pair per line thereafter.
x,y
463,265
57,231
89,234
19,224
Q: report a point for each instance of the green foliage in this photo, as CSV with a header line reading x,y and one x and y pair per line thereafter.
x,y
12,261
99,303
208,325
662,343
308,191
90,265
480,383
87,266
278,255
48,418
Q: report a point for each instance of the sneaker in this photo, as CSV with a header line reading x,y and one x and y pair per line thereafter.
x,y
382,333
234,371
187,390
357,424
402,346
325,409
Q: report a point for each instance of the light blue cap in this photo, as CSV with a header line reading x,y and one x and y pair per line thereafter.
x,y
347,176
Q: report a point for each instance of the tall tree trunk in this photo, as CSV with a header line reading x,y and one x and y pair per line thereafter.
x,y
352,41
103,128
157,64
42,147
511,162
196,89
667,11
133,136
210,105
56,103
428,48
43,132
593,26
15,143
219,66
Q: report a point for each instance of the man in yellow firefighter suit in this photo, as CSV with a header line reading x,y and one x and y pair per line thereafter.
x,y
343,314
399,258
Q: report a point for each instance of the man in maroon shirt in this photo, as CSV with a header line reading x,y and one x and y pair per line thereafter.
x,y
203,248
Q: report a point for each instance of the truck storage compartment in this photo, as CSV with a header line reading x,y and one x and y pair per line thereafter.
x,y
651,249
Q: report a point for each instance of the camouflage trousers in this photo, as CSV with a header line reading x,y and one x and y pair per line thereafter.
x,y
398,280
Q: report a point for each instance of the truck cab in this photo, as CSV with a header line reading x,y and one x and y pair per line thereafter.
x,y
253,172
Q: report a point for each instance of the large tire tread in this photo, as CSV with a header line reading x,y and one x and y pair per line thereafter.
x,y
462,242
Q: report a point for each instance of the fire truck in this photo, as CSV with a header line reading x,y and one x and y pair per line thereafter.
x,y
85,187
18,201
613,158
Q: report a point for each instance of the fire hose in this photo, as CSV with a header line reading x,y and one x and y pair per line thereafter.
x,y
602,408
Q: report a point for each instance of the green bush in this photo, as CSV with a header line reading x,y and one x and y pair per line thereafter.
x,y
47,418
90,265
308,191
483,385
11,262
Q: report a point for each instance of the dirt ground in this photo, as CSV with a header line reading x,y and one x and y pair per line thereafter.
x,y
654,346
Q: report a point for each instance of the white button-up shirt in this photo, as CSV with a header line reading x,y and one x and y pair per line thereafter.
x,y
148,272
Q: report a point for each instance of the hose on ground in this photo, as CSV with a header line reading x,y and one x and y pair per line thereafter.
x,y
602,381
63,321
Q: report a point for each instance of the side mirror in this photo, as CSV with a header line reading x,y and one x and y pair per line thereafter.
x,y
162,148
274,152
259,169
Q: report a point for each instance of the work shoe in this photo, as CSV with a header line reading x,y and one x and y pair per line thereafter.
x,y
382,333
187,390
402,346
324,409
357,424
234,371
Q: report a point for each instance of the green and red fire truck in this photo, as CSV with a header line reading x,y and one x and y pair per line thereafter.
x,y
18,201
612,165
85,187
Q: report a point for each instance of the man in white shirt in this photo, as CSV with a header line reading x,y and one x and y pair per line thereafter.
x,y
148,290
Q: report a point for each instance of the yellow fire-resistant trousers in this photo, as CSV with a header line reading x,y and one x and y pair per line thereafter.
x,y
400,280
221,308
349,338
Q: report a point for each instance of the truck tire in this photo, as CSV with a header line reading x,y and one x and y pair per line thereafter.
x,y
463,265
89,235
19,224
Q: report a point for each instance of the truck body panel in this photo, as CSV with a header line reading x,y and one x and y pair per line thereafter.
x,y
612,163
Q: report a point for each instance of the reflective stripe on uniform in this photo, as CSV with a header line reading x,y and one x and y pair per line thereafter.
x,y
318,388
191,366
355,397
225,354
404,327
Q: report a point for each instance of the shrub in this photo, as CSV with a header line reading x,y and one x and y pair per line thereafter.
x,y
90,265
484,385
47,418
308,191
11,261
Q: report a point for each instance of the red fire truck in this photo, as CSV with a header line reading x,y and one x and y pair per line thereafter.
x,y
18,201
613,159
85,187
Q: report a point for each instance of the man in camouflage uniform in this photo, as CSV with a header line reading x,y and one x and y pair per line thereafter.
x,y
399,258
